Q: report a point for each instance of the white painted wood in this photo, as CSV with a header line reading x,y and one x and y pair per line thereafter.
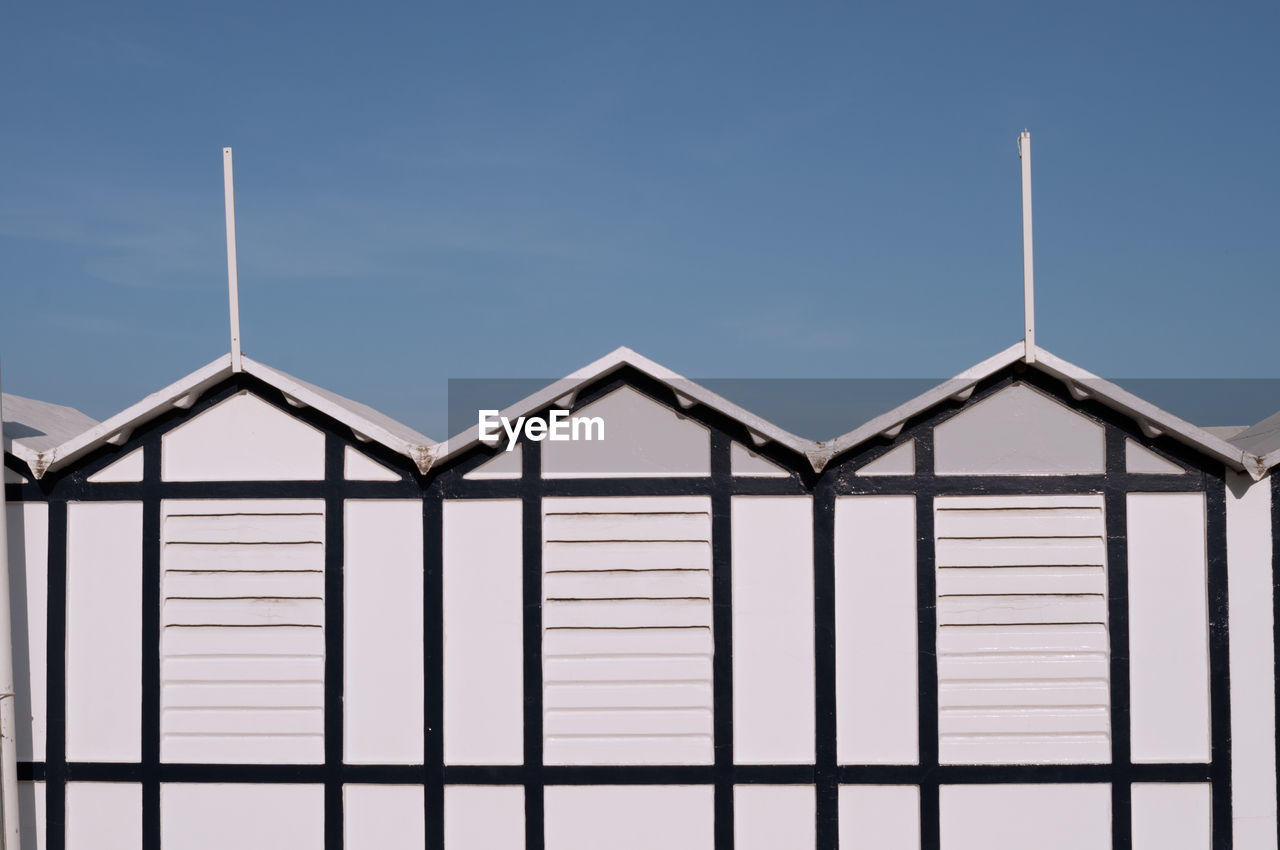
x,y
1023,672
483,632
242,630
246,816
879,817
383,817
1249,583
1018,431
1177,816
104,815
767,817
358,466
900,461
1168,628
1141,460
126,469
243,439
627,631
1018,817
484,817
876,693
233,276
743,461
31,814
28,541
630,817
382,634
504,466
1023,658
773,677
641,438
1028,252
104,625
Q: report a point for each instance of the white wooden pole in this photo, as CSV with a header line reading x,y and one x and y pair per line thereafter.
x,y
233,277
1028,256
9,832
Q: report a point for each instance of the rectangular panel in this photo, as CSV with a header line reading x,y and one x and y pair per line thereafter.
x,y
629,817
104,631
28,533
383,817
382,577
1253,758
31,819
242,630
879,817
1023,655
1168,628
1018,817
626,622
767,817
104,815
246,816
876,695
483,817
483,632
773,710
1177,817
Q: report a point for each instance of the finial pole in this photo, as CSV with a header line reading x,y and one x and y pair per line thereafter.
x,y
1028,256
233,278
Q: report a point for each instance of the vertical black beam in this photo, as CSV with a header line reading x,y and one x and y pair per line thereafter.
x,y
1115,516
722,636
150,766
827,827
55,789
334,655
531,490
1219,658
433,664
927,644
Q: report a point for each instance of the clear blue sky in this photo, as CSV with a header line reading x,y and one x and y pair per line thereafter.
x,y
428,191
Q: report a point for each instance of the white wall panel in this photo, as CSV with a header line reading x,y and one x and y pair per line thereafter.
x,y
876,687
127,468
383,817
483,632
382,577
1178,816
1168,628
898,461
31,815
104,815
243,439
244,816
641,438
1249,582
358,466
768,817
242,631
1020,817
28,534
743,461
1018,431
1023,672
104,631
483,817
629,817
627,630
773,680
879,817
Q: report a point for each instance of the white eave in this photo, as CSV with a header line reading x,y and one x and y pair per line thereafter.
x,y
562,393
367,423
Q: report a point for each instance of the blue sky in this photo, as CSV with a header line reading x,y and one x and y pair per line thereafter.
x,y
432,191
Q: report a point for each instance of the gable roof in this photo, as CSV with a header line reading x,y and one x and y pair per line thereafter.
x,y
59,435
367,423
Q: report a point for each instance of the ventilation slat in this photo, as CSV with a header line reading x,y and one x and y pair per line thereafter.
x,y
627,644
242,616
1023,655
